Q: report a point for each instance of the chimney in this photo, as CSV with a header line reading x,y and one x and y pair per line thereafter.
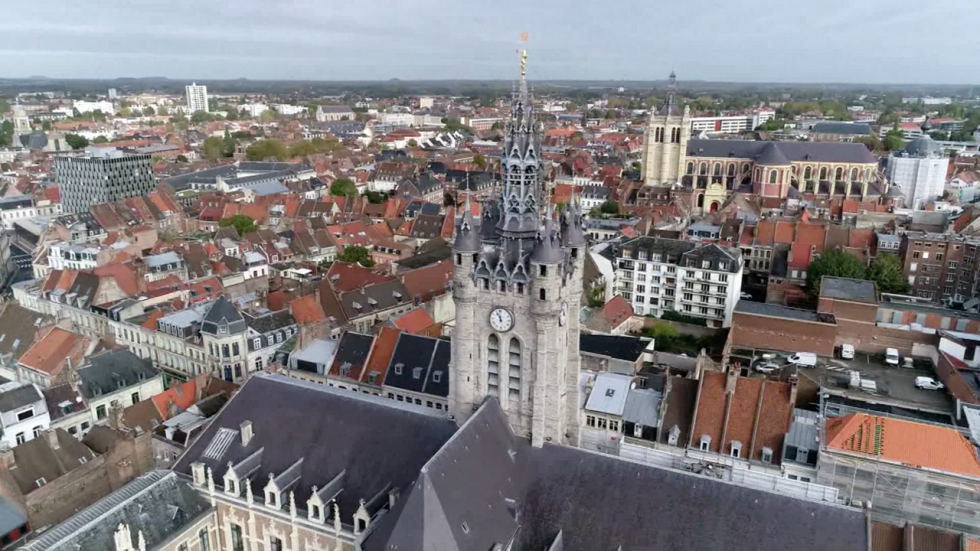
x,y
246,432
52,436
732,378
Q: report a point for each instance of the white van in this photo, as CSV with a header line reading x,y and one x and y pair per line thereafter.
x,y
847,351
805,359
891,356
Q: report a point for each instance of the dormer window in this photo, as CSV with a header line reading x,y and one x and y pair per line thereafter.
x,y
736,449
705,442
398,368
416,372
231,485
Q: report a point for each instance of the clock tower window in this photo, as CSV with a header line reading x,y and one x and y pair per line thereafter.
x,y
514,384
493,365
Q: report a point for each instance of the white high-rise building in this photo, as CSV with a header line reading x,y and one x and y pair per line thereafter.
x,y
197,98
22,123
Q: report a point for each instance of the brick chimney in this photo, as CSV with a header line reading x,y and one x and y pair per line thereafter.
x,y
52,436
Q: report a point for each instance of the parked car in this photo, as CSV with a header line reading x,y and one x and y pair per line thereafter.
x,y
745,296
928,383
847,351
891,356
803,359
766,367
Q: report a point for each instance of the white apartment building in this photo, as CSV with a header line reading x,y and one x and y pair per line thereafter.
x,y
658,275
919,170
289,110
254,109
22,207
197,98
23,413
83,107
732,124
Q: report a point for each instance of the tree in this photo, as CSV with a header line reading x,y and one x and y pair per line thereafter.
x,y
4,106
609,207
894,140
76,141
100,139
771,125
836,264
267,149
162,111
242,224
148,111
872,142
125,112
480,161
596,296
413,143
375,197
886,271
343,186
46,125
497,126
200,116
211,148
181,159
356,255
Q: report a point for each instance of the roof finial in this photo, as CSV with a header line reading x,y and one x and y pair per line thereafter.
x,y
523,64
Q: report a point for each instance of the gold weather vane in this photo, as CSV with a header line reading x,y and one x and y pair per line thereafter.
x,y
523,57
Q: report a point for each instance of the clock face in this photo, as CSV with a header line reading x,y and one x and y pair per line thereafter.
x,y
563,315
501,320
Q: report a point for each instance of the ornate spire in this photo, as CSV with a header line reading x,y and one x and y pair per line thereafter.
x,y
523,64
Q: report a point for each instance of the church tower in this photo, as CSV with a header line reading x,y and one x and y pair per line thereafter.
x,y
665,147
517,283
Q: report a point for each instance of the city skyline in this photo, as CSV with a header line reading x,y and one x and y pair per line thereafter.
x,y
439,40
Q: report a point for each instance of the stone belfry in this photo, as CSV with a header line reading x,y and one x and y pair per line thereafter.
x,y
517,285
665,147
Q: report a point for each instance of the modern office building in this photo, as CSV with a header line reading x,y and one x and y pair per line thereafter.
x,y
197,98
102,175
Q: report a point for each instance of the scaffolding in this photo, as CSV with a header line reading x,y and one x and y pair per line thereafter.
x,y
898,493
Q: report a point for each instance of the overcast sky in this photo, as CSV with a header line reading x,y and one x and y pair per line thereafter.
x,y
875,41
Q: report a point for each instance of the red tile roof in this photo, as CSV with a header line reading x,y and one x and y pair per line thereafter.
x,y
429,281
176,399
344,276
914,444
48,353
415,322
617,310
307,310
381,351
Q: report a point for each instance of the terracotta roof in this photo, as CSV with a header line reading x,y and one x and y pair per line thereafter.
x,y
767,423
415,322
307,310
123,274
49,352
429,281
381,352
617,310
176,399
906,442
344,276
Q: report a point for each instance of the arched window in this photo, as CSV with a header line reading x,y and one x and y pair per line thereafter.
x,y
867,174
823,173
839,174
745,168
690,168
807,173
541,294
493,365
731,169
854,174
717,169
514,364
772,176
704,169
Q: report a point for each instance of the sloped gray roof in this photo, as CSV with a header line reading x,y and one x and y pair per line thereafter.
x,y
643,407
158,504
794,151
223,313
771,156
842,128
110,371
923,146
19,397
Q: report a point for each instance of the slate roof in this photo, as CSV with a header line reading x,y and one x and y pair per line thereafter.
x,y
351,354
486,487
609,394
842,128
18,397
682,395
771,156
37,459
793,151
643,407
159,504
858,290
110,371
621,347
223,313
420,364
376,440
778,311
374,298
270,321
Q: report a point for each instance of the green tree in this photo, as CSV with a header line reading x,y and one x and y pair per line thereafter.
x,y
181,159
162,111
76,141
609,207
100,139
242,224
771,125
200,116
872,142
267,149
343,186
497,126
46,125
211,148
480,161
148,111
356,255
596,296
894,140
413,143
232,114
4,106
125,112
375,197
833,263
886,271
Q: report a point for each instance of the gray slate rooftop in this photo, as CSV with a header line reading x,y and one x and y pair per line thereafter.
x,y
777,311
857,290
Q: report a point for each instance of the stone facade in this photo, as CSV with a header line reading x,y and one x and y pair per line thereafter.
x,y
665,149
517,283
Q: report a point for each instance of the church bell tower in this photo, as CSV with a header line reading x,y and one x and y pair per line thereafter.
x,y
665,145
517,284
